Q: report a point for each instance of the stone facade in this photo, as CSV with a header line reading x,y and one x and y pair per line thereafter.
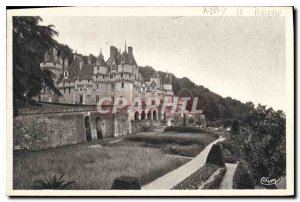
x,y
86,83
51,129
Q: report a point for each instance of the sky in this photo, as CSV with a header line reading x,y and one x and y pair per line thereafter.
x,y
238,57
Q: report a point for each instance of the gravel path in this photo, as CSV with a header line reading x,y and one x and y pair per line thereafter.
x,y
176,176
227,181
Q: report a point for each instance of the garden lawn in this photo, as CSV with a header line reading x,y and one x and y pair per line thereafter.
x,y
91,168
142,155
183,144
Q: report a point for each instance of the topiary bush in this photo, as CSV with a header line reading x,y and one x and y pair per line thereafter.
x,y
215,156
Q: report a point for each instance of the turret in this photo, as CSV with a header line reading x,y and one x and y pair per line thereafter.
x,y
167,84
113,50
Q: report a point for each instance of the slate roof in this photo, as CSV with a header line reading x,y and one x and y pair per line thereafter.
x,y
74,71
87,70
51,55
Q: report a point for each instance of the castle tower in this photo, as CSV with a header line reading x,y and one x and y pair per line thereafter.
x,y
53,63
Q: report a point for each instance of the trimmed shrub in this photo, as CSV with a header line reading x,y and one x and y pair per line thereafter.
x,y
215,156
189,129
235,127
242,179
126,182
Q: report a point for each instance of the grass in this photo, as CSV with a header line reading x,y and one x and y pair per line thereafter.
x,y
187,144
191,129
142,155
91,168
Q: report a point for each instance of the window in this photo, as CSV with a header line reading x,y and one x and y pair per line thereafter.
x,y
122,85
111,76
96,76
121,75
65,74
54,63
112,86
80,79
64,90
69,90
97,98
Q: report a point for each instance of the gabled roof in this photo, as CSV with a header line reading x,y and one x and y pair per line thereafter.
x,y
74,71
115,58
51,53
155,75
153,84
100,61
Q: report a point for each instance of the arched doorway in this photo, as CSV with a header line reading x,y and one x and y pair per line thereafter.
x,y
136,115
87,121
143,115
98,128
149,115
154,115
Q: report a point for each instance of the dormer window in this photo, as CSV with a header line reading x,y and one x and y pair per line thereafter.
x,y
66,74
46,56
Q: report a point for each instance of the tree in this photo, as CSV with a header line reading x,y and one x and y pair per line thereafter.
x,y
30,41
261,142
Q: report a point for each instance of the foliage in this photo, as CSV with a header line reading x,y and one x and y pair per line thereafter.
x,y
29,134
53,183
261,143
190,129
92,168
187,144
235,127
30,41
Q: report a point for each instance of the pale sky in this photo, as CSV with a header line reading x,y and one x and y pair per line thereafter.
x,y
239,57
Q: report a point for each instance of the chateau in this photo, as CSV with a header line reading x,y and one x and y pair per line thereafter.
x,y
84,83
75,117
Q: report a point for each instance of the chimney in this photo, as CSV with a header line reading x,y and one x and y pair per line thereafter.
x,y
130,51
75,54
113,50
66,63
80,65
89,59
